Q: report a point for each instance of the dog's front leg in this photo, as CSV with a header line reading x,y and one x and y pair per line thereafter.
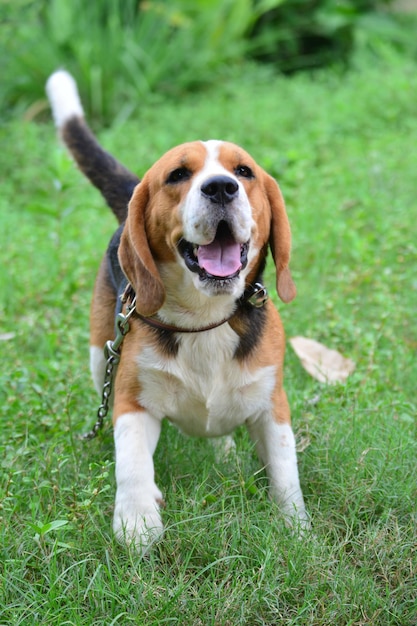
x,y
137,519
275,444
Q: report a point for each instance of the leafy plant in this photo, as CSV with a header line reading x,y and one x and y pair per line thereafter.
x,y
309,33
122,50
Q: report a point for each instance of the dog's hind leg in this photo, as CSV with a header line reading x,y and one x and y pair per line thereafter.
x,y
101,323
224,448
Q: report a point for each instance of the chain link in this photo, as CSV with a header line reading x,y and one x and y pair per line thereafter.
x,y
112,351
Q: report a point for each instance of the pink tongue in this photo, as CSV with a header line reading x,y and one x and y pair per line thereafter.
x,y
220,258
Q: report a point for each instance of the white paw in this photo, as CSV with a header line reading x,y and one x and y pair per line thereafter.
x,y
297,518
137,521
224,448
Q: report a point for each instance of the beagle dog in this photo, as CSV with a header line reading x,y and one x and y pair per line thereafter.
x,y
203,349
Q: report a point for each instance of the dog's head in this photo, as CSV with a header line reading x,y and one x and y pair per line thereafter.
x,y
210,209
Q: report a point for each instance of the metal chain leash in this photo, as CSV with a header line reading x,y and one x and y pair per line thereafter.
x,y
112,351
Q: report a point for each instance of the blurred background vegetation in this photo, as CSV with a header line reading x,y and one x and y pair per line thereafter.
x,y
123,52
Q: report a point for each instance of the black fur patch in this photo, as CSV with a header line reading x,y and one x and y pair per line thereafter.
x,y
252,320
168,342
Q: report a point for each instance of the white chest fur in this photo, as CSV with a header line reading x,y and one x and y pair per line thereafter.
x,y
204,390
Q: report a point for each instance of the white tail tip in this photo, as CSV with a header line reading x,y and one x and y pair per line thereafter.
x,y
63,96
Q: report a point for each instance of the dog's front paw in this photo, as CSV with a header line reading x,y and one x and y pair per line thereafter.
x,y
298,521
137,521
294,513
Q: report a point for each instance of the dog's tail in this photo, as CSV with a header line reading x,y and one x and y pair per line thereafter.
x,y
114,181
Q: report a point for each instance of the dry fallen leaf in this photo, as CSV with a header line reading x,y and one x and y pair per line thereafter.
x,y
7,336
322,363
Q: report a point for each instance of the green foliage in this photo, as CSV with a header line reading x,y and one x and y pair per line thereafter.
x,y
344,148
306,34
123,52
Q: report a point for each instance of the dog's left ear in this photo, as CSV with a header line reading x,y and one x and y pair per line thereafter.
x,y
280,240
136,257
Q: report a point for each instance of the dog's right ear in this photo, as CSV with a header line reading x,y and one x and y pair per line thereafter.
x,y
136,258
280,240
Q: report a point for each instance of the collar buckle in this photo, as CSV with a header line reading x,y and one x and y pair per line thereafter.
x,y
258,296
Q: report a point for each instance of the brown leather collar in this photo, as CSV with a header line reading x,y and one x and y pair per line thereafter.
x,y
256,295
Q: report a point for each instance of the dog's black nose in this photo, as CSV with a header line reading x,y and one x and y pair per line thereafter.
x,y
220,189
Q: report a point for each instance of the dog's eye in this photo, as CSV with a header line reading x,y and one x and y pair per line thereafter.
x,y
178,175
244,171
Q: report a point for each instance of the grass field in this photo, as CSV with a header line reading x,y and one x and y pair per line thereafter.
x,y
344,149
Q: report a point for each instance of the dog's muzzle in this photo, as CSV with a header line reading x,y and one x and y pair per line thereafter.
x,y
222,260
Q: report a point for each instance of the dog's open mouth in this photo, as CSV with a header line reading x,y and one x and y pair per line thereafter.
x,y
222,259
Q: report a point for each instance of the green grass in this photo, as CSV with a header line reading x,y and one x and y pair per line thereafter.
x,y
344,148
